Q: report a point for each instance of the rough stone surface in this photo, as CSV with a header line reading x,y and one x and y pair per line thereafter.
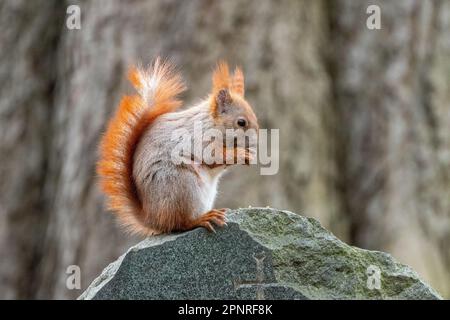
x,y
262,254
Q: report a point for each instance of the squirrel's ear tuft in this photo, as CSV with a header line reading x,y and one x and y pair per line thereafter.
x,y
221,77
238,82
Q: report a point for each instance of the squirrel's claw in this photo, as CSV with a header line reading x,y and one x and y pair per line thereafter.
x,y
207,225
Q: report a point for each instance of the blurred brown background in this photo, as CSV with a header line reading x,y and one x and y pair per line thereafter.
x,y
364,119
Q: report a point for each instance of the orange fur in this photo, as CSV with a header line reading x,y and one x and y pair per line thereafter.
x,y
223,80
134,115
135,78
238,82
221,77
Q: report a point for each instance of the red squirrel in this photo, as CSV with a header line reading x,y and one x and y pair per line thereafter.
x,y
148,192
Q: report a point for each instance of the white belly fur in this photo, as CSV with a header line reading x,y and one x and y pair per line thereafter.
x,y
208,189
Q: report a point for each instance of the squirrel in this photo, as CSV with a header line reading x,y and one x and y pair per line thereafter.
x,y
148,192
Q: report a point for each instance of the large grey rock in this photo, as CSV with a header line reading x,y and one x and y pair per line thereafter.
x,y
262,254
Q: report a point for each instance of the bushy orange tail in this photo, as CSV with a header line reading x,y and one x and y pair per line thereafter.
x,y
158,89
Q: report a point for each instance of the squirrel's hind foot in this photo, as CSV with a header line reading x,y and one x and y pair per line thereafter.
x,y
213,217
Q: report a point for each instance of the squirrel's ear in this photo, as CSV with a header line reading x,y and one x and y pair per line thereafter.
x,y
222,85
223,99
238,82
221,102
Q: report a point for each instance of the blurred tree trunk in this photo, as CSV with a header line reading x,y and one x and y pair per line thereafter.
x,y
29,36
392,98
363,118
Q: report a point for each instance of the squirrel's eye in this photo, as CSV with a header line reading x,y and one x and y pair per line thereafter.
x,y
242,122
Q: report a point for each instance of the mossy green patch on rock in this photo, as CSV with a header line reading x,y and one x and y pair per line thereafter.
x,y
312,260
